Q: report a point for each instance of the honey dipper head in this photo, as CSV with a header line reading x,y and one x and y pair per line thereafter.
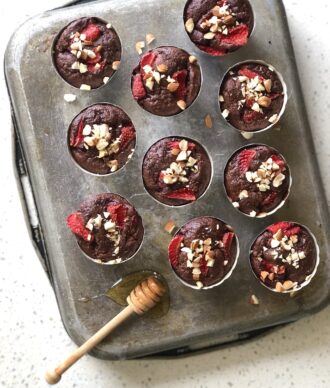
x,y
146,295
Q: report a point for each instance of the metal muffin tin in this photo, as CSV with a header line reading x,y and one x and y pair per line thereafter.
x,y
46,172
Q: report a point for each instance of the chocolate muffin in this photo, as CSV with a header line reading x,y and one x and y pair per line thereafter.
x,y
101,138
257,180
218,27
285,256
87,52
166,81
108,228
203,252
252,96
176,171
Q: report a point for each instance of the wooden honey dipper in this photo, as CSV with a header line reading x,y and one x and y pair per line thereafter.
x,y
141,299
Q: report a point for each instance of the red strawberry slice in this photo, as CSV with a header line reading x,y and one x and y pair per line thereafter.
x,y
227,240
76,223
118,214
93,61
147,59
203,266
279,161
181,76
294,230
212,51
92,32
138,89
244,158
127,134
269,267
237,36
175,145
249,102
249,73
279,225
184,193
270,198
173,250
249,116
161,176
79,138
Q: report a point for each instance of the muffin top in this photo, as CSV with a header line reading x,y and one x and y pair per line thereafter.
x,y
87,52
251,96
176,171
284,256
203,251
107,227
101,138
257,180
166,80
218,27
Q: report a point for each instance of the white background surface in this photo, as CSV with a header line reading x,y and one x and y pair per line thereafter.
x,y
32,337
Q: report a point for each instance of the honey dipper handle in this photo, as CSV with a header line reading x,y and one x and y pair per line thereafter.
x,y
54,376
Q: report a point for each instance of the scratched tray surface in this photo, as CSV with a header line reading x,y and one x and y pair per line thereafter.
x,y
195,319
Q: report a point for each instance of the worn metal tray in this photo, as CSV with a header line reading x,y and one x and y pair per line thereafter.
x,y
196,320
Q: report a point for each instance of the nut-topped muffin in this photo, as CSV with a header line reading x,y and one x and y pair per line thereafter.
x,y
87,52
101,138
176,171
108,228
257,180
218,27
284,257
203,252
252,96
166,81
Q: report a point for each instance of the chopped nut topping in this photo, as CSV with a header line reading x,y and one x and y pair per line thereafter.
x,y
162,68
208,121
150,38
254,300
85,87
192,59
184,164
225,113
115,65
169,227
172,87
182,104
209,35
268,85
70,97
190,25
106,80
273,119
139,46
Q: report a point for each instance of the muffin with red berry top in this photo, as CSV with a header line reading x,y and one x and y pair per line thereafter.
x,y
252,96
108,228
218,27
166,81
203,253
257,180
87,52
101,138
176,171
285,256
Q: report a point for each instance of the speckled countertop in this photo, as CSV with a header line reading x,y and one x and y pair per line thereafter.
x,y
31,333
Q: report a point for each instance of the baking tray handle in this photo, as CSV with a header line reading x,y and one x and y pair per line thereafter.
x,y
28,202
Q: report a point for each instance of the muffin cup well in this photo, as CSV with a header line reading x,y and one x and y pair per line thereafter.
x,y
281,204
285,95
228,274
308,277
